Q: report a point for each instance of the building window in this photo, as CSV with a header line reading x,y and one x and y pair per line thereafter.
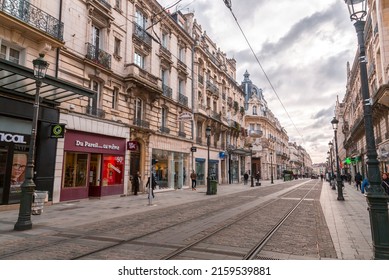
x,y
164,76
140,19
165,40
181,54
181,86
113,167
164,117
254,110
139,60
117,44
138,109
95,40
10,54
75,170
115,98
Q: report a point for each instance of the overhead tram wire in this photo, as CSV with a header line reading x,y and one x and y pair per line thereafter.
x,y
229,6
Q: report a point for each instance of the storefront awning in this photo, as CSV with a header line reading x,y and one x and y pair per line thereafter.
x,y
19,80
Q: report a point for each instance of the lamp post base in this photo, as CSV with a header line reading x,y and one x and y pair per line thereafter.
x,y
340,190
24,218
378,212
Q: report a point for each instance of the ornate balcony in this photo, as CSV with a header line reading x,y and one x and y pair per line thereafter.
x,y
24,11
142,35
167,91
165,129
98,56
93,111
141,123
182,99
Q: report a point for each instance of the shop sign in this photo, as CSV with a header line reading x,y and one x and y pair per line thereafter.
x,y
132,145
185,117
57,130
12,138
97,145
222,155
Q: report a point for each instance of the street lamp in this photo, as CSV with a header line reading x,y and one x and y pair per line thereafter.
x,y
339,182
271,168
28,185
251,165
208,134
332,165
375,195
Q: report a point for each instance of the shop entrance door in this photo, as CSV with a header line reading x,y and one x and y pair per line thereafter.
x,y
95,175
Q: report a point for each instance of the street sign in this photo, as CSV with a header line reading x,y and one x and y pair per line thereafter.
x,y
193,149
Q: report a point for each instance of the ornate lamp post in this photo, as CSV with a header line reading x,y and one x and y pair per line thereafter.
x,y
271,168
251,165
208,134
339,182
375,195
28,186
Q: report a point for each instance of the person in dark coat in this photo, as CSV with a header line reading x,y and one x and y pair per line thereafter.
x,y
358,180
153,184
193,176
136,182
246,178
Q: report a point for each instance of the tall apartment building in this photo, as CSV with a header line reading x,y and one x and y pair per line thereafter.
x,y
269,140
120,81
376,35
218,103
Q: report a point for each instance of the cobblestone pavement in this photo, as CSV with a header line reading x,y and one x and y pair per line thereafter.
x,y
70,230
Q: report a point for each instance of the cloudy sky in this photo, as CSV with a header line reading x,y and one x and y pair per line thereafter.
x,y
303,47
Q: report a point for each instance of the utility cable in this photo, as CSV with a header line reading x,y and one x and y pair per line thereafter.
x,y
229,6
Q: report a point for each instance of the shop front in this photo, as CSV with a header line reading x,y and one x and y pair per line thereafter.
x,y
171,169
15,135
94,165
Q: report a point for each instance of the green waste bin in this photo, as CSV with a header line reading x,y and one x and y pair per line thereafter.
x,y
213,186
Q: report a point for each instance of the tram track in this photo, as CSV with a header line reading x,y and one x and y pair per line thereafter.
x,y
108,238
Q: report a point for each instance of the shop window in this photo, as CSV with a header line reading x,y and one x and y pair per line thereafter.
x,y
75,170
113,170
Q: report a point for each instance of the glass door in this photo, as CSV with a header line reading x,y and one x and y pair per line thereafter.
x,y
95,175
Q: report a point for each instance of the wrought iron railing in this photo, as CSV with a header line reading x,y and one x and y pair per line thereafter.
x,y
182,134
93,111
182,99
99,56
28,13
165,129
167,91
141,123
140,33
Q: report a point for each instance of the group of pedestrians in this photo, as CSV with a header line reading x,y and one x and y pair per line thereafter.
x,y
363,183
136,183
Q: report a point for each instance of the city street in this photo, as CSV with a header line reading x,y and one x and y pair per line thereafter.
x,y
186,224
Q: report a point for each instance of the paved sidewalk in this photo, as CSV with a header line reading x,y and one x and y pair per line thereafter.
x,y
348,222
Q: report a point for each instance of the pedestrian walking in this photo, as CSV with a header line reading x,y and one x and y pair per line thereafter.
x,y
358,180
385,182
245,178
153,185
193,177
321,176
257,177
364,185
136,182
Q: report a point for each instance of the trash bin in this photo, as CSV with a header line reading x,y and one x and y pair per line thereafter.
x,y
213,186
38,201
